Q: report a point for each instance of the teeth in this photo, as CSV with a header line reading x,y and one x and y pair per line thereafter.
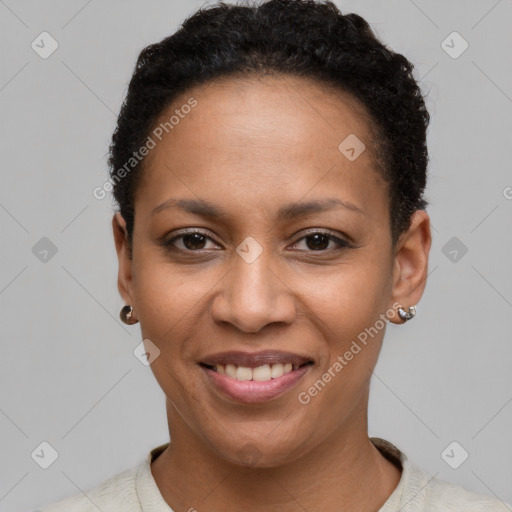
x,y
243,373
260,373
276,371
230,370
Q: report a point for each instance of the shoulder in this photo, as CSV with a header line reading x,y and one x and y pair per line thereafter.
x,y
114,494
418,491
443,496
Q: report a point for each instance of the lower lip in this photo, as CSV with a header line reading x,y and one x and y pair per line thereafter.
x,y
253,391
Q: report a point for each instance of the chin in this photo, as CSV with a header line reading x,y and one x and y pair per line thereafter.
x,y
254,454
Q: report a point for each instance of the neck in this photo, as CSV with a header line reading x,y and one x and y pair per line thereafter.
x,y
346,472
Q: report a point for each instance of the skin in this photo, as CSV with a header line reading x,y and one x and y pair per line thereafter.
x,y
249,147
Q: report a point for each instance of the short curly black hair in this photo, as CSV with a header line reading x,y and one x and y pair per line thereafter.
x,y
305,38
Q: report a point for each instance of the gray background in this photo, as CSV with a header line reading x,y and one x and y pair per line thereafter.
x,y
68,374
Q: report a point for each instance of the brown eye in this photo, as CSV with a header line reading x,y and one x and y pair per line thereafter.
x,y
191,241
319,241
194,241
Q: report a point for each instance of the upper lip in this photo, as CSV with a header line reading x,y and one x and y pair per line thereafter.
x,y
255,359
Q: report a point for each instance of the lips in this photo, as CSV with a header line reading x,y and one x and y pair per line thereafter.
x,y
255,359
255,377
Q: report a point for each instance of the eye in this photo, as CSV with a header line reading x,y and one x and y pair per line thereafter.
x,y
318,241
195,241
191,241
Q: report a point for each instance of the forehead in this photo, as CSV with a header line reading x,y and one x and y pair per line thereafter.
x,y
270,110
261,139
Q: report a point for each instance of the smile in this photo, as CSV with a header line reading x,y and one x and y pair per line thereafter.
x,y
253,385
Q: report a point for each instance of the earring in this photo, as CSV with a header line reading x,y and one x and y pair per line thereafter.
x,y
126,315
406,315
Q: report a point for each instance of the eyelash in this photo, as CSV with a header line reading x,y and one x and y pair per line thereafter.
x,y
342,244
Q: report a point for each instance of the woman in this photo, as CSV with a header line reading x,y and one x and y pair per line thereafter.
x,y
269,164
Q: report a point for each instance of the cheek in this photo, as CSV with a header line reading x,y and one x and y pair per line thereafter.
x,y
167,302
349,309
167,296
347,299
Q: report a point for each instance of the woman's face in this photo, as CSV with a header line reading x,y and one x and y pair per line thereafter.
x,y
257,278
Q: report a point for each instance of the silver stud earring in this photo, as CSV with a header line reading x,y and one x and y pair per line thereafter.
x,y
126,315
406,315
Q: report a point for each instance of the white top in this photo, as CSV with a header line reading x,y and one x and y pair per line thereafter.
x,y
135,490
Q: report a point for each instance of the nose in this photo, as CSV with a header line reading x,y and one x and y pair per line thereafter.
x,y
253,295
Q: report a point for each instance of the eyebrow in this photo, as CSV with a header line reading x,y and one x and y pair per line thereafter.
x,y
287,212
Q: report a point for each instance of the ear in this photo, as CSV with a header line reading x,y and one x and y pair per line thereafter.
x,y
124,279
411,264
